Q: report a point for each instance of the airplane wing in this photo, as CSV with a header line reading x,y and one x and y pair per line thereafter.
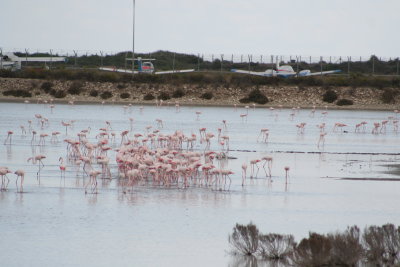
x,y
265,74
117,70
42,59
308,73
173,71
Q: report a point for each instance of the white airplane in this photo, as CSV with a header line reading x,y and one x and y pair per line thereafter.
x,y
13,62
145,67
285,71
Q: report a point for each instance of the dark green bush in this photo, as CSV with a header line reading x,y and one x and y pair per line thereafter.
x,y
178,93
344,102
60,94
207,95
106,95
257,97
47,86
125,95
94,93
329,96
388,96
17,93
75,88
121,86
148,96
163,96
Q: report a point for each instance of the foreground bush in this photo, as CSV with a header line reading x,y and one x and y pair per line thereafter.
x,y
377,246
244,239
382,244
276,247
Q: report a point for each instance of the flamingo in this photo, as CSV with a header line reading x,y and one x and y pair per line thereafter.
x,y
38,159
9,136
20,173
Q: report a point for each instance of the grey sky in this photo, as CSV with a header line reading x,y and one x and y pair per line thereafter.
x,y
290,27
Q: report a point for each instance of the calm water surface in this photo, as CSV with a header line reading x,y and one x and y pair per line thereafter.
x,y
57,224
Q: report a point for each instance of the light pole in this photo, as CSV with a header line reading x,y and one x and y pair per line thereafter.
x,y
133,40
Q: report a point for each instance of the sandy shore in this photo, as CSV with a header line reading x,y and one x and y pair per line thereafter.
x,y
287,97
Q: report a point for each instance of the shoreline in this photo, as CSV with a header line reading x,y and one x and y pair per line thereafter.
x,y
287,97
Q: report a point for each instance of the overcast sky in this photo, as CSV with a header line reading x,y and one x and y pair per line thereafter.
x,y
290,27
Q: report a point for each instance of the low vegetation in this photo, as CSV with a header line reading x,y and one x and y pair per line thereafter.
x,y
377,246
255,96
148,97
163,96
178,93
344,102
75,88
125,95
106,95
207,95
17,93
329,96
389,96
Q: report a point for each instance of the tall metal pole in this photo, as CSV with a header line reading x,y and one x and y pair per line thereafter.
x,y
133,40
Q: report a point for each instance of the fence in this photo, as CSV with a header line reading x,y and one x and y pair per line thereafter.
x,y
164,60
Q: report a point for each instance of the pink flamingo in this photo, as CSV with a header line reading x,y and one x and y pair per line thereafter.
x,y
268,162
20,173
92,181
321,140
264,133
253,164
62,168
3,173
244,171
9,136
287,168
38,159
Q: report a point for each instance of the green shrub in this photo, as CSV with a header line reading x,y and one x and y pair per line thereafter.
x,y
178,93
17,93
106,95
163,96
121,86
344,102
125,95
388,96
47,86
207,95
60,94
257,97
75,88
94,93
148,96
329,96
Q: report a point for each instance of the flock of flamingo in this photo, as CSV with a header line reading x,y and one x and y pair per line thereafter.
x,y
153,157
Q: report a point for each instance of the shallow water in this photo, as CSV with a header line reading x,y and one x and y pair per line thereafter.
x,y
57,224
